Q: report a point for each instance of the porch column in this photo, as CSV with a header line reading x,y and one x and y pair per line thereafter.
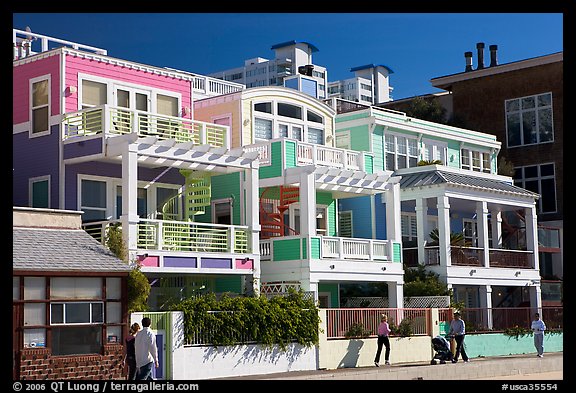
x,y
309,286
393,224
395,295
482,228
532,235
307,204
129,217
252,213
444,230
421,228
486,304
496,229
535,299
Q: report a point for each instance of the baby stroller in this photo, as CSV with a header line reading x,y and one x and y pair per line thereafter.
x,y
442,349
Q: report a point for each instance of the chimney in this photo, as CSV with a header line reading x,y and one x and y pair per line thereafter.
x,y
480,48
493,59
468,56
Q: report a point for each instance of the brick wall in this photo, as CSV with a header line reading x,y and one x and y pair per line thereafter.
x,y
38,363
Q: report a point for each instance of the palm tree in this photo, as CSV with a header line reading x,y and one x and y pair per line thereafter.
x,y
456,238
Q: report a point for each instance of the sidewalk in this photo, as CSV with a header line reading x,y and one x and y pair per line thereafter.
x,y
513,367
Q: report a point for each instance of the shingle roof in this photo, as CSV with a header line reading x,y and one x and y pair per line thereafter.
x,y
61,250
443,177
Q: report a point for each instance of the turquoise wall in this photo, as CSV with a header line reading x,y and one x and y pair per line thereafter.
x,y
498,344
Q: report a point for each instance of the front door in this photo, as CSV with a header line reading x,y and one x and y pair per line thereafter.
x,y
158,373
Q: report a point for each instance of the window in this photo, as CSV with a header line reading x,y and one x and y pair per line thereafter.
x,y
345,224
166,105
76,313
265,107
93,94
289,110
540,179
408,227
93,200
315,135
529,120
311,116
39,192
141,203
262,129
401,152
343,140
40,105
475,160
433,150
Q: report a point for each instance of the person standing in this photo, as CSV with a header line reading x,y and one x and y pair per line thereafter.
x,y
146,351
458,330
538,327
383,339
130,359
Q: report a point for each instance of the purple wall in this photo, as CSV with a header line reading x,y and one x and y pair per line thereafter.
x,y
33,157
82,148
179,262
225,263
111,170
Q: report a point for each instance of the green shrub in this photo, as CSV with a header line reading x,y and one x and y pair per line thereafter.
x,y
402,330
239,320
357,330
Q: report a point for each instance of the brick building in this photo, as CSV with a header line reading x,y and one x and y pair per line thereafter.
x,y
68,299
520,102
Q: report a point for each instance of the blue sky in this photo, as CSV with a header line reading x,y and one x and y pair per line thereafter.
x,y
416,46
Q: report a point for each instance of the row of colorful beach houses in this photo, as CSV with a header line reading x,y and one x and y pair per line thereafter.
x,y
222,188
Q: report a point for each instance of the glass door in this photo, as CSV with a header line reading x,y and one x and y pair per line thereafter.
x,y
137,101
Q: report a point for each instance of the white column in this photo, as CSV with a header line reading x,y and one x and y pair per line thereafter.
x,y
421,228
444,230
536,298
393,224
496,229
395,295
307,204
532,235
486,303
482,228
129,217
252,212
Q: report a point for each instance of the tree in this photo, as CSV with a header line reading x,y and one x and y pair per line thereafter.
x,y
430,110
505,167
138,285
420,282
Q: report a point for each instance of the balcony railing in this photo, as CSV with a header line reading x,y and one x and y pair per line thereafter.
x,y
106,119
182,236
24,42
313,154
470,256
328,248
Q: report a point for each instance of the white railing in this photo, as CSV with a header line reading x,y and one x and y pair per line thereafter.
x,y
265,250
354,248
213,87
312,154
115,120
23,41
193,237
263,150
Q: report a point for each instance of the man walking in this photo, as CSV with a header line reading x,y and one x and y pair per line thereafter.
x,y
458,329
146,351
538,327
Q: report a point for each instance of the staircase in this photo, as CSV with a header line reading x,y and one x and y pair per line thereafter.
x,y
197,193
272,212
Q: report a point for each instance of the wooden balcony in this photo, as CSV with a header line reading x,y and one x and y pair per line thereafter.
x,y
109,120
471,256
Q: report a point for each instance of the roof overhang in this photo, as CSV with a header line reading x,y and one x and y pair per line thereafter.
x,y
168,153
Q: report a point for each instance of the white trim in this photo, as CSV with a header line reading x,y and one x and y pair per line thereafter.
x,y
31,82
38,179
